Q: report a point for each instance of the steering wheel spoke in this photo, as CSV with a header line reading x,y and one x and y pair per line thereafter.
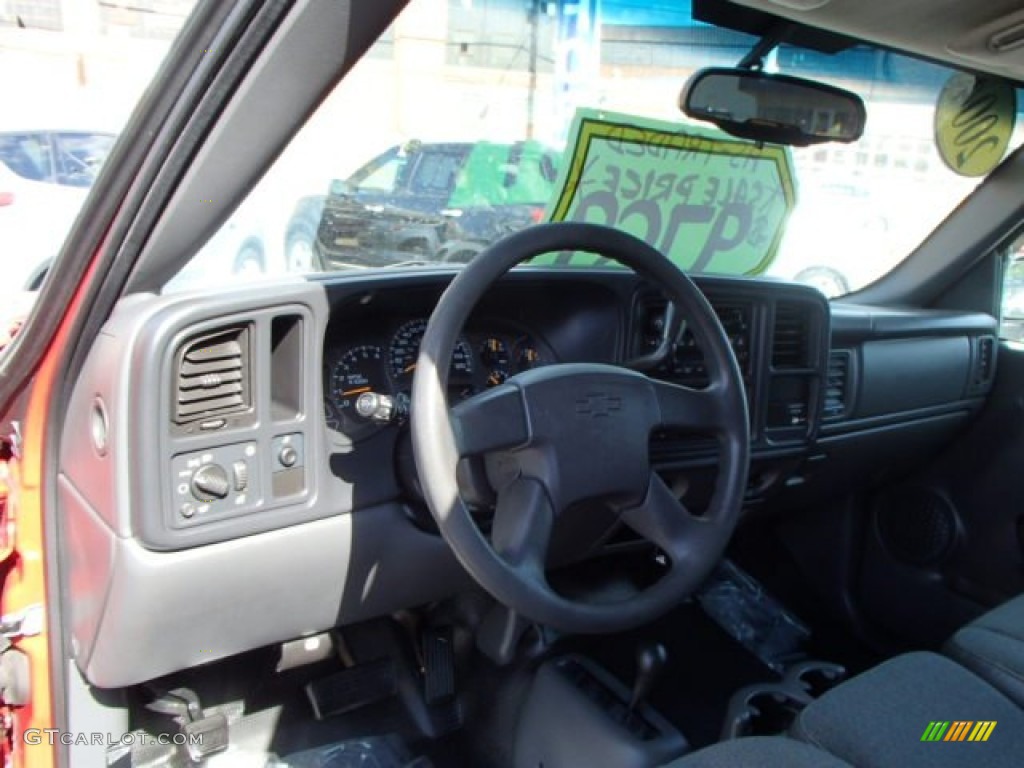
x,y
490,421
664,520
523,520
698,410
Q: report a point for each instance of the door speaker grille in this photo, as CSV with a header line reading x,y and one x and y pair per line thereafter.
x,y
917,525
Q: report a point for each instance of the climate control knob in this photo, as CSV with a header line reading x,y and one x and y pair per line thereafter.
x,y
210,483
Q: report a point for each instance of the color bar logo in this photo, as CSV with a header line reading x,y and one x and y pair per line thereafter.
x,y
959,730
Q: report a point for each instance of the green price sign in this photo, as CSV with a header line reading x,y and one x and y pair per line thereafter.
x,y
709,202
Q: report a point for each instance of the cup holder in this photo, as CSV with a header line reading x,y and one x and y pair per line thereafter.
x,y
814,677
763,710
767,709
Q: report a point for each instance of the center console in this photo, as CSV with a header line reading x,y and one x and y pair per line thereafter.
x,y
578,714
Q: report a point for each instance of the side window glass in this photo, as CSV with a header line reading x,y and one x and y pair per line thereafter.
x,y
436,174
80,157
1012,321
384,178
27,155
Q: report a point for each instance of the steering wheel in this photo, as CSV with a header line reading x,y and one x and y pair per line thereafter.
x,y
565,433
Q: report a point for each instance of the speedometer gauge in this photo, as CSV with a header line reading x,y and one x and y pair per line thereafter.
x,y
358,370
405,348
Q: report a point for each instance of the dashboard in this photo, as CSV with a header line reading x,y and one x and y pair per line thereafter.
x,y
779,336
215,459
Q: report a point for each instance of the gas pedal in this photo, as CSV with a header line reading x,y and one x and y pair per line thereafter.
x,y
438,665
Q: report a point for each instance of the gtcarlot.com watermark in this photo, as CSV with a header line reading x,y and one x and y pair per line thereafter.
x,y
54,737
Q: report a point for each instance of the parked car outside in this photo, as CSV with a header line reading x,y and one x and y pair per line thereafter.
x,y
45,175
250,245
434,201
300,234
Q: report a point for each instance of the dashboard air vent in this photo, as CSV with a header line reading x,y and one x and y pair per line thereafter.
x,y
790,338
213,375
735,319
838,385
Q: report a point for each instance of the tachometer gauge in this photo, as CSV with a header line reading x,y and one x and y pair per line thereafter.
x,y
359,370
495,358
405,348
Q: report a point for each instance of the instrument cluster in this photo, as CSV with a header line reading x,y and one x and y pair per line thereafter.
x,y
384,364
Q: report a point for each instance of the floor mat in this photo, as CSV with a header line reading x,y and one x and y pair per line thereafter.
x,y
379,752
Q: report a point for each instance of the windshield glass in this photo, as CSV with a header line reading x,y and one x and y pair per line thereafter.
x,y
464,122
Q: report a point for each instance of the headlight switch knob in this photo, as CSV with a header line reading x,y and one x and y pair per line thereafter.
x,y
210,483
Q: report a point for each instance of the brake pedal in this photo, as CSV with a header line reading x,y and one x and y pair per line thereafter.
x,y
352,688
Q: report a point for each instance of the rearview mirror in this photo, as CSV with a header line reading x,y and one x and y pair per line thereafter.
x,y
778,109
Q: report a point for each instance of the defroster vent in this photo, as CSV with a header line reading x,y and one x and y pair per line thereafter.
x,y
213,375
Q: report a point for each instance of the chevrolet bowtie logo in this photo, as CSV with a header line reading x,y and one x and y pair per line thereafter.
x,y
597,404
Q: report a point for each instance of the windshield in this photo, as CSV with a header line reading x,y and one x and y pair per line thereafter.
x,y
464,122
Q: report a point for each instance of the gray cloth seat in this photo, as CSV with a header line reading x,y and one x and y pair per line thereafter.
x,y
879,717
992,647
759,752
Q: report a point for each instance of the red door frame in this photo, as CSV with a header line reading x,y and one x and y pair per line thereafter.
x,y
26,580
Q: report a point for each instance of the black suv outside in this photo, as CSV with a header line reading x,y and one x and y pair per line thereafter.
x,y
434,202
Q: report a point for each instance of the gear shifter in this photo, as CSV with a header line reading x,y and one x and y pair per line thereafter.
x,y
650,661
